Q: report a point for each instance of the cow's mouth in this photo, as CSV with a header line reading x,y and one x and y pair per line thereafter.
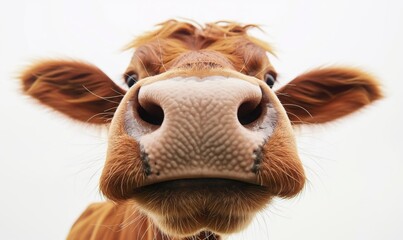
x,y
187,186
185,207
195,184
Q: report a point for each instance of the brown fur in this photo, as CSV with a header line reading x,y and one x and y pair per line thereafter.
x,y
85,93
325,94
157,51
77,89
110,221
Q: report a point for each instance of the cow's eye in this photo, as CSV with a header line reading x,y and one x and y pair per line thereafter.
x,y
270,79
131,79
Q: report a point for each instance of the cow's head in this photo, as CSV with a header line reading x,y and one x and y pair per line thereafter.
x,y
200,140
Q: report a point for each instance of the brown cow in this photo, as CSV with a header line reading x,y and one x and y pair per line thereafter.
x,y
200,142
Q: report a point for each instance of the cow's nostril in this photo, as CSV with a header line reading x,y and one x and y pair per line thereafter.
x,y
249,112
151,113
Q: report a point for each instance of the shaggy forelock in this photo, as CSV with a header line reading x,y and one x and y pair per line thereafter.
x,y
157,49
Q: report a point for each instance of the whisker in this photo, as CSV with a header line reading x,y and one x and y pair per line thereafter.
x,y
245,62
101,97
142,63
300,120
100,114
112,108
119,93
296,105
160,52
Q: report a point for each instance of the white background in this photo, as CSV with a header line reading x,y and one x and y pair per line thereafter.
x,y
49,165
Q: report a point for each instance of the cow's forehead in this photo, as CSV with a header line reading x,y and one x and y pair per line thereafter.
x,y
199,74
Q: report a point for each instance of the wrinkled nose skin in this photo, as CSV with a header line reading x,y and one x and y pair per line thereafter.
x,y
201,134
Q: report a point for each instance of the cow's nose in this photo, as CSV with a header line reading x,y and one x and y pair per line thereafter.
x,y
191,127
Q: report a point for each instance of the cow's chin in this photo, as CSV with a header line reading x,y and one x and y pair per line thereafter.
x,y
185,207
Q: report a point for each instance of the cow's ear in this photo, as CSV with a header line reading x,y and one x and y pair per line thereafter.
x,y
326,94
79,90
